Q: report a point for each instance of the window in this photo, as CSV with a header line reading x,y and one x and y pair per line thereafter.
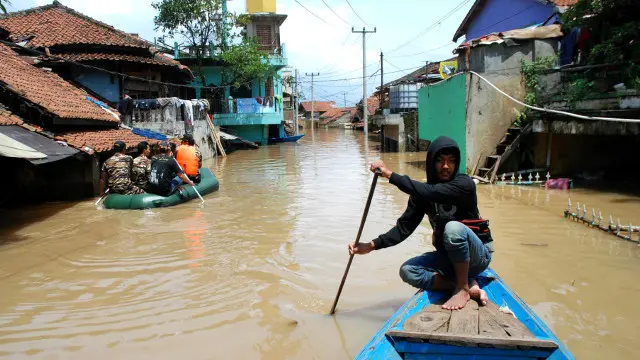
x,y
265,37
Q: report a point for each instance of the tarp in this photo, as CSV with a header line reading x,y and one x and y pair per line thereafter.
x,y
19,142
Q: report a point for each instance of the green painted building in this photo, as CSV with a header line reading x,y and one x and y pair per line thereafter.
x,y
254,111
442,110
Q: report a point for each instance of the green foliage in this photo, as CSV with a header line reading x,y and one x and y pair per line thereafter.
x,y
204,27
531,72
614,27
245,62
578,89
3,6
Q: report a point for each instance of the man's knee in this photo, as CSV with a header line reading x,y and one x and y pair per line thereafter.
x,y
454,233
407,273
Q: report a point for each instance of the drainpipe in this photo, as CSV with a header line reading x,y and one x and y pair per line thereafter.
x,y
549,136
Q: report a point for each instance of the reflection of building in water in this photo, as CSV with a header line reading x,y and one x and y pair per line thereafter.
x,y
193,238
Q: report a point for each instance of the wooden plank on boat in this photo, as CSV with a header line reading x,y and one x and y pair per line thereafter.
x,y
488,325
509,323
465,320
477,340
430,320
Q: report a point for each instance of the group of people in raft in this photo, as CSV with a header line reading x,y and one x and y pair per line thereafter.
x,y
158,169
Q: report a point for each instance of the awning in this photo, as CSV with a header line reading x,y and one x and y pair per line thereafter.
x,y
18,142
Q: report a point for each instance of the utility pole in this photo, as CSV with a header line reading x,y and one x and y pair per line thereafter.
x,y
365,113
345,98
381,78
313,101
295,103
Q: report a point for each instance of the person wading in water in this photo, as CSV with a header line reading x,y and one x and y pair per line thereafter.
x,y
449,200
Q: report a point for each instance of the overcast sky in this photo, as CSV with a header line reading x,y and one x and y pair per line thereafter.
x,y
408,33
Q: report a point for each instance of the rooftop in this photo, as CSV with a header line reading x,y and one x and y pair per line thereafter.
x,y
49,91
55,25
319,106
102,140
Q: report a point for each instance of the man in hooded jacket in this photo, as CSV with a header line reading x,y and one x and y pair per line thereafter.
x,y
447,198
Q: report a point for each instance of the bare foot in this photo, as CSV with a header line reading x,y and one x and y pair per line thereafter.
x,y
478,294
459,299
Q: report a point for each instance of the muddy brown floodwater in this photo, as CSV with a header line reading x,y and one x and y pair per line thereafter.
x,y
252,273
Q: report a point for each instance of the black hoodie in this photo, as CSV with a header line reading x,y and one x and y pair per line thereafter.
x,y
441,201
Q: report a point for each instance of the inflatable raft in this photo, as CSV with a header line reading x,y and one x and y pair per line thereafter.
x,y
209,183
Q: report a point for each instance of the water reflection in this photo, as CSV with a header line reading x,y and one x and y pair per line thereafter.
x,y
252,273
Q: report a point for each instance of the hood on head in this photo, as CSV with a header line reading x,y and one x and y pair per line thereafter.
x,y
439,144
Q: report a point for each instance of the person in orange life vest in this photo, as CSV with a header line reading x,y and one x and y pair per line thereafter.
x,y
189,158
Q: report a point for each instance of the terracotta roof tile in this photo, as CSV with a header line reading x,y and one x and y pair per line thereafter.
x,y
8,118
373,103
102,140
565,2
158,59
48,90
319,106
56,24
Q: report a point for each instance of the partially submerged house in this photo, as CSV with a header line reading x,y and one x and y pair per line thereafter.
x,y
337,117
465,107
89,53
399,97
53,135
319,108
252,111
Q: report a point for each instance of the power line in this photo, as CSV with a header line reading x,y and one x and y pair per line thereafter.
x,y
336,14
424,52
312,13
355,12
432,26
360,78
387,61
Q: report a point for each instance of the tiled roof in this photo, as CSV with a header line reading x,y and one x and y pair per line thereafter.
x,y
319,106
373,103
158,59
102,140
565,2
55,24
8,118
48,90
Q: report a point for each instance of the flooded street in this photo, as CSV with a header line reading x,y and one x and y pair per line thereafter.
x,y
252,273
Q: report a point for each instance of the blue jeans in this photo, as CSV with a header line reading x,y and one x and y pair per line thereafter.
x,y
460,245
175,182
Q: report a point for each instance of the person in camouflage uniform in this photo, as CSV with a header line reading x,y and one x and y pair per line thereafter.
x,y
116,172
142,166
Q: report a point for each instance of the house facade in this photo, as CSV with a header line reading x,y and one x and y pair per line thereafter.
x,y
253,111
104,61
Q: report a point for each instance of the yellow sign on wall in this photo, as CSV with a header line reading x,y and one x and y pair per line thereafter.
x,y
261,6
448,68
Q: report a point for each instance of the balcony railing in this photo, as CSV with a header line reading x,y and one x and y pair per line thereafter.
x,y
259,105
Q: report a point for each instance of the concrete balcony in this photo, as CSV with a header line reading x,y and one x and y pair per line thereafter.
x,y
247,112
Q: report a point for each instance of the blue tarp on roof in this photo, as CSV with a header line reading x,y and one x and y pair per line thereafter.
x,y
150,134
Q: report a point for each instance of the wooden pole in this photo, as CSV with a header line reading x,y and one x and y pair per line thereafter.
x,y
364,219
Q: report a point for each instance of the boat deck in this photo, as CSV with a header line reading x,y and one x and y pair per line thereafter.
x,y
421,329
473,326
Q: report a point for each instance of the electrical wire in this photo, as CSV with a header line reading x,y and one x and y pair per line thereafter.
x,y
355,12
583,117
360,78
312,13
432,26
336,14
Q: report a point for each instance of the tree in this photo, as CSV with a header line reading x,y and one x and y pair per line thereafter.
x,y
613,26
3,6
200,24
